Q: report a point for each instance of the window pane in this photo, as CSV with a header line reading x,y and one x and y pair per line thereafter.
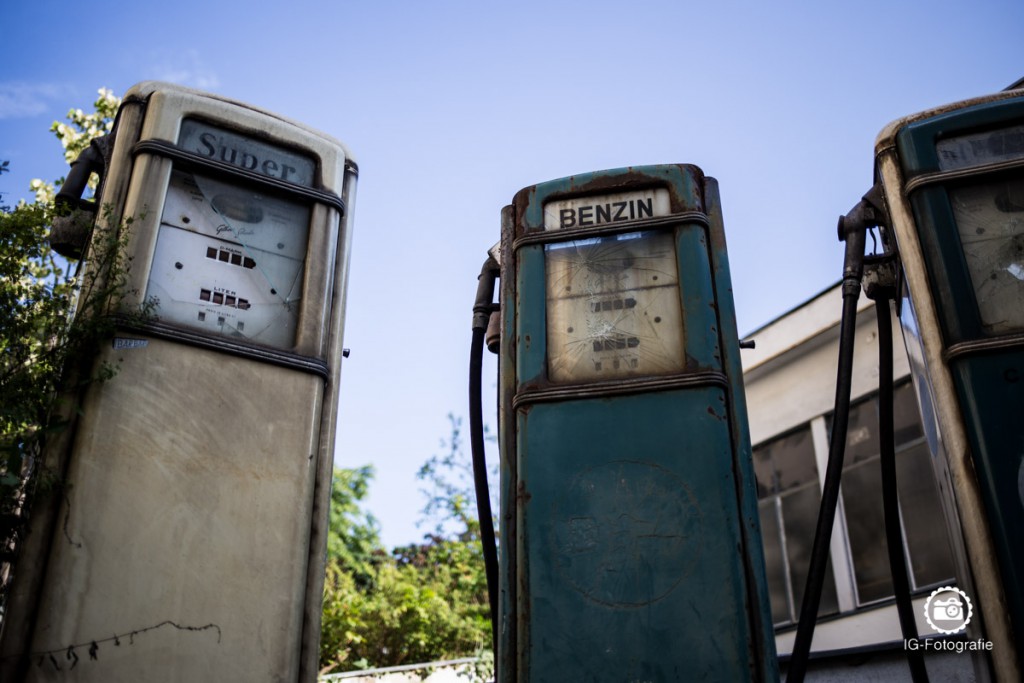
x,y
785,463
925,527
800,516
773,561
865,524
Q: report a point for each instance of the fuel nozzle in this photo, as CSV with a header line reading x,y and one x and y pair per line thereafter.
x,y
483,307
879,270
869,212
492,339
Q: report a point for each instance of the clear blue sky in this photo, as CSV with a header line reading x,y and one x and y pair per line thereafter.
x,y
451,107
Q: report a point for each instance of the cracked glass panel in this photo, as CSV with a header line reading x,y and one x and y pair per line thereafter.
x,y
990,220
613,308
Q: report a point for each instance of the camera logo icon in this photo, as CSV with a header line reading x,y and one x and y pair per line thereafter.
x,y
948,610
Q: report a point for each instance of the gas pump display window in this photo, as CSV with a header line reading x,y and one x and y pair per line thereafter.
x,y
613,308
986,147
230,259
990,222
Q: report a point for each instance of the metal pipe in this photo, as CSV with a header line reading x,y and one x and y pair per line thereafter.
x,y
70,232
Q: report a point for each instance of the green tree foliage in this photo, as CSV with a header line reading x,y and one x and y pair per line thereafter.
x,y
420,603
412,613
353,539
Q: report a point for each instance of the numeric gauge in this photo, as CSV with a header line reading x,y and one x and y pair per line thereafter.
x,y
230,260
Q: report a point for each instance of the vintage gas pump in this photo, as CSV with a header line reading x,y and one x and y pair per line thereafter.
x,y
631,549
953,181
191,540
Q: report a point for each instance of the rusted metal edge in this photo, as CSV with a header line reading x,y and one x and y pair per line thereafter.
x,y
546,236
620,387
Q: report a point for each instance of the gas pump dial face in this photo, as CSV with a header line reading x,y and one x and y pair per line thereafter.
x,y
990,221
230,260
613,308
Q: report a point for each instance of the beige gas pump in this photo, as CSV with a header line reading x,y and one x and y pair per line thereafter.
x,y
191,540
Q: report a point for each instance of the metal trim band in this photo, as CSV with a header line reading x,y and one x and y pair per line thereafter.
x,y
565,235
960,173
284,359
959,349
618,388
166,149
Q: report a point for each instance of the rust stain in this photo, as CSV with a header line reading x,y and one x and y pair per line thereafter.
x,y
712,413
522,495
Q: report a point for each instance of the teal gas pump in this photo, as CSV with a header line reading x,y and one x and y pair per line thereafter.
x,y
953,180
631,548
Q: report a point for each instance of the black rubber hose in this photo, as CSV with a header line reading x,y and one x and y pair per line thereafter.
x,y
481,314
890,504
829,498
852,271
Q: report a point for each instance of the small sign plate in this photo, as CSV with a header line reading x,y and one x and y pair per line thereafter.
x,y
121,343
607,209
239,150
